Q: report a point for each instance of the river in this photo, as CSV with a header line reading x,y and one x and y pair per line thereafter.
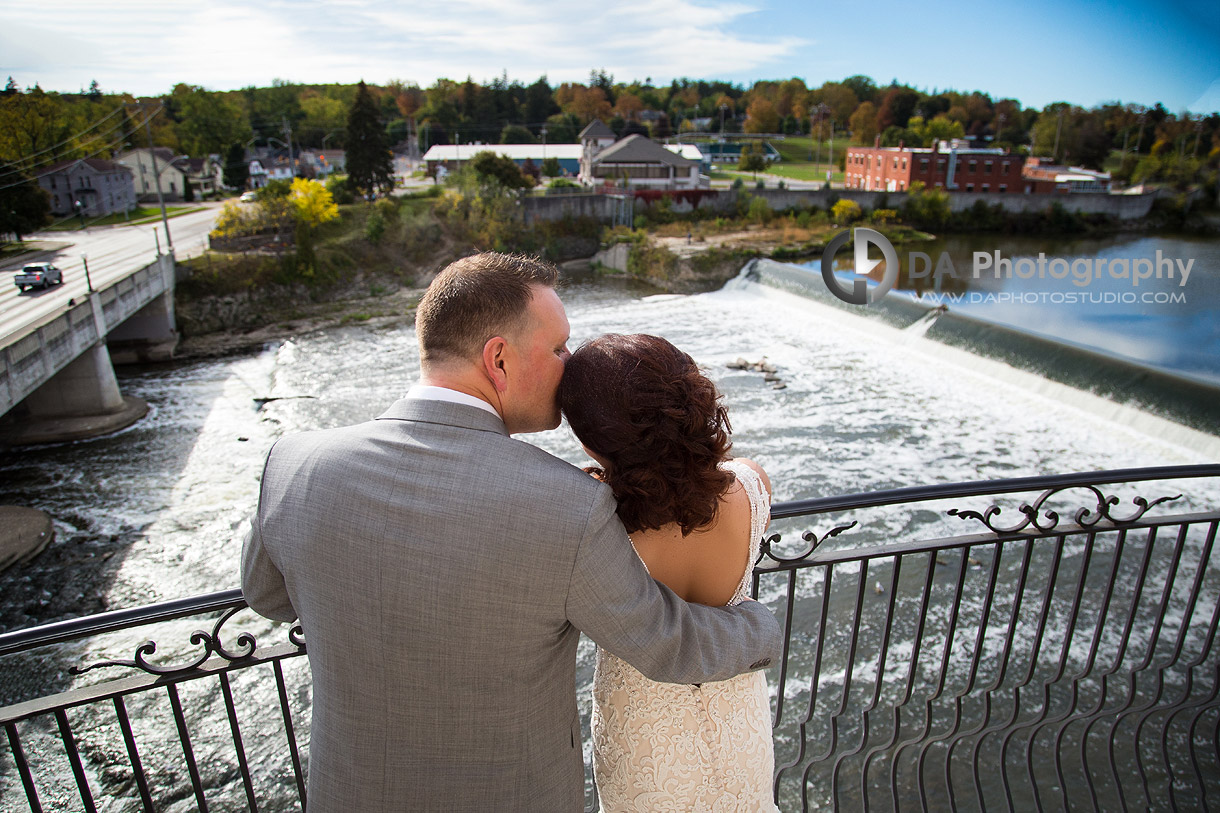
x,y
157,511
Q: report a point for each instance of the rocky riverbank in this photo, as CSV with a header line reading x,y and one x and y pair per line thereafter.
x,y
218,324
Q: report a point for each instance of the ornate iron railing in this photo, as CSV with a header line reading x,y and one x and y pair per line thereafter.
x,y
938,656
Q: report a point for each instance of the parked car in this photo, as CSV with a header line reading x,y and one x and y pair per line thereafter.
x,y
39,275
248,197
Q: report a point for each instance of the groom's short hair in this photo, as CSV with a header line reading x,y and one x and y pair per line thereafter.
x,y
474,299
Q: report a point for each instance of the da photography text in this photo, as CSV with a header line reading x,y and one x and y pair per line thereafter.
x,y
1081,271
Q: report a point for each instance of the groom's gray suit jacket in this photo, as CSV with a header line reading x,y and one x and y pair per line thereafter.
x,y
442,572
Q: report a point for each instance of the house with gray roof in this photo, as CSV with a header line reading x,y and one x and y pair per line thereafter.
x,y
101,187
639,162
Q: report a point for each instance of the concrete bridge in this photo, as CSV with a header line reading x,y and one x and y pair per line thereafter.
x,y
57,379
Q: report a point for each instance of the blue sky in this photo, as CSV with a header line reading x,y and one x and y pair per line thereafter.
x,y
1038,52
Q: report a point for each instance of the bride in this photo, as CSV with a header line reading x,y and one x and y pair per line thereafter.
x,y
655,427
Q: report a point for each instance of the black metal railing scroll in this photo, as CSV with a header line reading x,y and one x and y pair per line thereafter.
x,y
947,647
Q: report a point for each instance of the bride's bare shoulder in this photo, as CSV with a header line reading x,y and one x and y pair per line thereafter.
x,y
766,481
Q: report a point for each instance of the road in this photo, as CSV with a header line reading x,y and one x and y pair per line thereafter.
x,y
113,252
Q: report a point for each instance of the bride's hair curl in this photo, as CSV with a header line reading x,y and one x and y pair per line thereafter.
x,y
642,405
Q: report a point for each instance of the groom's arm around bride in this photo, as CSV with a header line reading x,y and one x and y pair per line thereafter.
x,y
442,572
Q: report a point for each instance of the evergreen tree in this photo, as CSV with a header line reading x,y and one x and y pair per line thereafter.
x,y
369,168
236,171
24,205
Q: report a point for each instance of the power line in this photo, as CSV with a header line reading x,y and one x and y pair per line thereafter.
x,y
109,146
72,138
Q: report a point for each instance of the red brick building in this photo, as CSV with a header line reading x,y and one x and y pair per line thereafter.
x,y
948,165
1042,177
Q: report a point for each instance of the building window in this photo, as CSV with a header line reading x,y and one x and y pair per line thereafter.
x,y
940,164
1003,188
986,187
1004,168
974,166
904,163
895,163
969,187
987,168
923,165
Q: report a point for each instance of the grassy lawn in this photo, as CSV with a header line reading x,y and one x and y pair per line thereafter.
x,y
804,171
798,172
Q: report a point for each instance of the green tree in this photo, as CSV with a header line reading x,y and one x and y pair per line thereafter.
x,y
752,159
551,167
490,168
207,122
24,205
369,168
516,134
236,170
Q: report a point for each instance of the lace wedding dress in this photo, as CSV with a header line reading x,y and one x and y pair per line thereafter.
x,y
661,747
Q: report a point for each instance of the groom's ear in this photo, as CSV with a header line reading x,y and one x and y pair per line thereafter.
x,y
495,353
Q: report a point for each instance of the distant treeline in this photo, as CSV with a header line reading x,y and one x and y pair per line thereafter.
x,y
1136,143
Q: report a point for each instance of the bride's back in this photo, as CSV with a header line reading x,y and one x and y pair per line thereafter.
x,y
706,565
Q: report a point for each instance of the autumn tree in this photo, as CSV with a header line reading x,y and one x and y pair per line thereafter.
x,y
839,99
628,106
761,117
369,167
311,205
864,123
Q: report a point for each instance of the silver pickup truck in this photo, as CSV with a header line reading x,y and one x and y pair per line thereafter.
x,y
39,275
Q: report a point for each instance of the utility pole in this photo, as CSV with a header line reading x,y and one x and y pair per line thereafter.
x,y
292,168
1058,124
157,177
830,170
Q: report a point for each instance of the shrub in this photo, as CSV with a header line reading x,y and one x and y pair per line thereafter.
x,y
339,190
374,227
759,211
846,211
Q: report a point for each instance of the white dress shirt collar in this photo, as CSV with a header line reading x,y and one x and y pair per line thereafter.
x,y
428,392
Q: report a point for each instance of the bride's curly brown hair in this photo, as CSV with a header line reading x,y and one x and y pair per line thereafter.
x,y
642,405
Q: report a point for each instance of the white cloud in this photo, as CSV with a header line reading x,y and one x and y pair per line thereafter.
x,y
147,47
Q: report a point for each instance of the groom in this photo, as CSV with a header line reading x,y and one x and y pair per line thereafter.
x,y
443,571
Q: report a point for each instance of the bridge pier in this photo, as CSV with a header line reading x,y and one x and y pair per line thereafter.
x,y
80,401
148,335
57,381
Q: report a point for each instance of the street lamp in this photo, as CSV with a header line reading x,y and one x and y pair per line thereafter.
x,y
84,258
